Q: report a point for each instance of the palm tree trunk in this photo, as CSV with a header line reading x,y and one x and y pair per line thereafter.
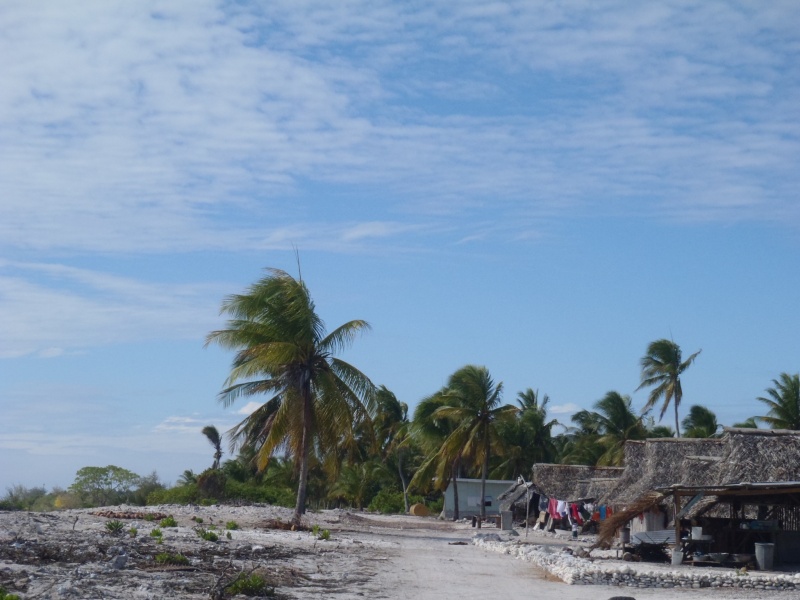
x,y
402,479
456,515
484,472
677,401
300,507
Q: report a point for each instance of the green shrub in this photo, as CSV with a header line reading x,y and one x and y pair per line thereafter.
x,y
183,494
156,533
168,522
4,595
197,519
115,527
207,534
250,585
211,483
389,501
165,558
232,525
133,532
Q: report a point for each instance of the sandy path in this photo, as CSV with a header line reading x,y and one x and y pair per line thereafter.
x,y
423,563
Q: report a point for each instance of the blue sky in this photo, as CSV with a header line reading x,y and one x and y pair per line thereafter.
x,y
539,187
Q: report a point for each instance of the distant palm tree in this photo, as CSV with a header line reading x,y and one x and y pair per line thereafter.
x,y
391,428
429,430
662,367
783,402
700,423
608,428
471,402
187,477
282,349
528,439
215,440
748,423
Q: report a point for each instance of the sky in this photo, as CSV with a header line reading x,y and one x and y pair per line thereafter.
x,y
542,188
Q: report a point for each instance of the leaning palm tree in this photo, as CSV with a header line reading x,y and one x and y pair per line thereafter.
x,y
283,350
662,367
784,403
215,439
471,401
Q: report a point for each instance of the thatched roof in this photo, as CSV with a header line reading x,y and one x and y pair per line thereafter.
x,y
517,493
664,462
574,483
634,462
760,455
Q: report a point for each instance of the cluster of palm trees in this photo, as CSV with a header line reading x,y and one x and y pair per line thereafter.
x,y
344,438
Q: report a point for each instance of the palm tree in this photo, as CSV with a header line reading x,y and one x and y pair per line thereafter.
x,y
471,402
392,432
215,440
783,402
430,430
528,439
662,367
607,429
700,423
282,349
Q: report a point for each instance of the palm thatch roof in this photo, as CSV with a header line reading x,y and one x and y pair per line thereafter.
x,y
574,483
760,455
740,456
662,462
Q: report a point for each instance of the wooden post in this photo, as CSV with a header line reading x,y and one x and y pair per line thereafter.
x,y
677,520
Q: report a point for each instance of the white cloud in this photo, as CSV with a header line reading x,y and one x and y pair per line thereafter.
x,y
563,409
249,408
49,309
135,129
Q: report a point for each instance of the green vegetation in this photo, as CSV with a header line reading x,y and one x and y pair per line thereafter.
x,y
470,407
662,366
4,595
207,534
133,532
168,522
215,439
250,585
783,400
115,527
282,349
231,525
157,533
165,558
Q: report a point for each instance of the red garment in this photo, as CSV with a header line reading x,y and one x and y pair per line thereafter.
x,y
575,513
552,508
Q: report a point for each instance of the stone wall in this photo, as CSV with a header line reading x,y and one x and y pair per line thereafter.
x,y
582,571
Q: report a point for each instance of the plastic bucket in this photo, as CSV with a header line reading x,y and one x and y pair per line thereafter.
x,y
765,555
625,535
677,557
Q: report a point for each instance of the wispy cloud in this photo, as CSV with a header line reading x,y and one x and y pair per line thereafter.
x,y
135,128
50,309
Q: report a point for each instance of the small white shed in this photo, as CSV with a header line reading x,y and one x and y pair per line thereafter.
x,y
469,497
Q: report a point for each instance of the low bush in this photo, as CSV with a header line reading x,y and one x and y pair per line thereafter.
x,y
168,522
250,585
165,558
